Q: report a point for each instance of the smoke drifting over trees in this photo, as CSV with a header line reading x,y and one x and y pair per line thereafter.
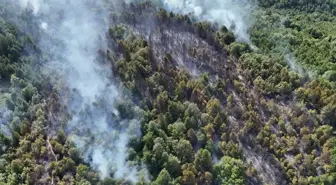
x,y
234,14
167,92
96,127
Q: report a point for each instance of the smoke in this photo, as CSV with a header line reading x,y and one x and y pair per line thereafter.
x,y
289,58
33,4
234,14
292,64
77,29
5,116
5,113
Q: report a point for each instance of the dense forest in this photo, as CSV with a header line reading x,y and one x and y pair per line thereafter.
x,y
195,104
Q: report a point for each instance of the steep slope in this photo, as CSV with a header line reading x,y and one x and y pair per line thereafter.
x,y
160,98
263,125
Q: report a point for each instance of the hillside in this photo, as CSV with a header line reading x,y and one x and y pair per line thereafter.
x,y
113,92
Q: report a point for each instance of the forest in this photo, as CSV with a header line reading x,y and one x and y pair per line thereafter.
x,y
194,104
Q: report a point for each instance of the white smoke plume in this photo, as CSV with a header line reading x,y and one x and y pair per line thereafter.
x,y
95,126
5,116
33,4
293,65
234,14
5,113
77,28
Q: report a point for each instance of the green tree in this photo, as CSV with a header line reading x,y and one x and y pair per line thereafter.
x,y
164,178
192,137
177,130
173,166
229,171
188,174
213,107
184,151
203,161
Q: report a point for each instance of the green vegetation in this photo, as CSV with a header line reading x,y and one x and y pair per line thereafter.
x,y
303,29
201,128
29,154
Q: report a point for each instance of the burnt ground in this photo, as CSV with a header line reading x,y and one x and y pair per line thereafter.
x,y
199,54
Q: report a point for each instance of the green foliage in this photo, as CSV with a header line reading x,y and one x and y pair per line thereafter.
x,y
203,161
184,151
307,35
173,166
163,178
239,100
303,5
229,171
238,49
